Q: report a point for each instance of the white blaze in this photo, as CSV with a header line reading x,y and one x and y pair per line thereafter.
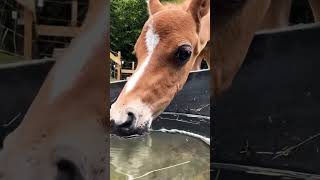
x,y
142,110
152,40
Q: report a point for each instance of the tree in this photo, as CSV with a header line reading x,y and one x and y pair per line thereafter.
x,y
127,20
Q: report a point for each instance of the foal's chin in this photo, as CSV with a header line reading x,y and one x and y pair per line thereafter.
x,y
130,133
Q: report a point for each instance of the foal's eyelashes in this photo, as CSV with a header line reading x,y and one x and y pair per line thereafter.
x,y
183,54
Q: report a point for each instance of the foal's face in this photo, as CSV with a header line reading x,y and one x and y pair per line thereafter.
x,y
166,51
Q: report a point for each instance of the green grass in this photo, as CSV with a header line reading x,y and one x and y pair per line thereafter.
x,y
7,58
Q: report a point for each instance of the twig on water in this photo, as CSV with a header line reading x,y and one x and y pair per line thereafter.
x,y
146,174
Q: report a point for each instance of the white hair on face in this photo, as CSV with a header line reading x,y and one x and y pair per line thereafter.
x,y
152,40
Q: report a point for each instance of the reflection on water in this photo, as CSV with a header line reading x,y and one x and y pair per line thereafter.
x,y
159,156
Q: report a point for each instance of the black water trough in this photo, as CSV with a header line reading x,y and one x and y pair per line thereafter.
x,y
268,124
20,84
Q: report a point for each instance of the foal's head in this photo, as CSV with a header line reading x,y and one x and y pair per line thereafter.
x,y
166,51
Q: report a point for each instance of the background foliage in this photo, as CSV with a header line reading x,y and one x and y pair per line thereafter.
x,y
127,20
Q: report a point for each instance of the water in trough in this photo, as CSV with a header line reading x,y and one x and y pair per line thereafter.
x,y
159,156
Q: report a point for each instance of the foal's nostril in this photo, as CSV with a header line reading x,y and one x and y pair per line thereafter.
x,y
129,122
68,171
131,117
127,128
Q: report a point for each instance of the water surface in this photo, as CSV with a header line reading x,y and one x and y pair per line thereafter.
x,y
159,156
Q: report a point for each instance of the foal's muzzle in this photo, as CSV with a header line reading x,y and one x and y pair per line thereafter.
x,y
128,127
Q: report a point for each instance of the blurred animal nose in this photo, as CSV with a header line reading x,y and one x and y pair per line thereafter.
x,y
125,129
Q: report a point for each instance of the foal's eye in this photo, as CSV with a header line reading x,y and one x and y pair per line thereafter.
x,y
183,54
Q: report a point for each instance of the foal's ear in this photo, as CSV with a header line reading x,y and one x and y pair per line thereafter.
x,y
154,6
198,9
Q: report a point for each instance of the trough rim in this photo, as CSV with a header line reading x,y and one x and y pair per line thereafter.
x,y
26,63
